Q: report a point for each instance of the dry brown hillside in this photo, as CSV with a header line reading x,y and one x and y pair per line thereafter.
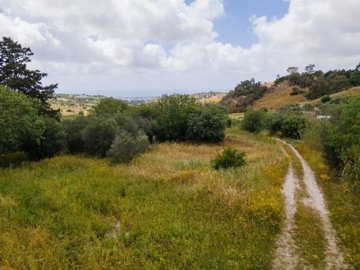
x,y
277,96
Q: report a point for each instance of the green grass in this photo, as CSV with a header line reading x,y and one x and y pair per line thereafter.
x,y
166,210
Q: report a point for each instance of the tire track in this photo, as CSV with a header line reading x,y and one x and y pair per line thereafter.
x,y
286,256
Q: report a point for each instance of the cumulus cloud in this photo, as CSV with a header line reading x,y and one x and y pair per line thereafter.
x,y
170,42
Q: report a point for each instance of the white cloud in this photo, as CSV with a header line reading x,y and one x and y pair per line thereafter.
x,y
175,42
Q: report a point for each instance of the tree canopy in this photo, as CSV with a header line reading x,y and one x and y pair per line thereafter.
x,y
14,73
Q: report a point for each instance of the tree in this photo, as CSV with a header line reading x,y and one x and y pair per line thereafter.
x,y
172,116
50,143
18,120
127,146
110,107
292,70
15,74
99,135
206,125
254,121
310,69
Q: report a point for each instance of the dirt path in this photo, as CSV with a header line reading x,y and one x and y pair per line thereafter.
x,y
286,254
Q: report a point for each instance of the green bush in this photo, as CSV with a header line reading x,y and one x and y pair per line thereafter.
x,y
254,121
342,140
126,146
292,126
274,122
206,125
99,136
74,130
109,107
19,120
229,158
325,99
50,143
172,113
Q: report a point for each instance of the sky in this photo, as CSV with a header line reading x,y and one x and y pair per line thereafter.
x,y
150,47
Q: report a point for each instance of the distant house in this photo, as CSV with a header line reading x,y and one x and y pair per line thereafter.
x,y
323,117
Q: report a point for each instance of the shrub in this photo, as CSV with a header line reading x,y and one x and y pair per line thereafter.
x,y
50,143
292,126
74,130
172,114
206,125
229,158
19,120
325,99
109,107
274,122
341,144
127,146
254,121
99,136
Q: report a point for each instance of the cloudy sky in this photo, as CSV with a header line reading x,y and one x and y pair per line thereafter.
x,y
150,47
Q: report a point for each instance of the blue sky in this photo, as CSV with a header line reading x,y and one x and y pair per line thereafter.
x,y
152,47
235,27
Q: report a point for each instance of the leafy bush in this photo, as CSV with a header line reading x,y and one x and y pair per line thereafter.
x,y
99,136
229,158
19,120
50,143
292,126
274,122
342,141
109,107
127,146
172,113
254,121
74,130
206,125
325,99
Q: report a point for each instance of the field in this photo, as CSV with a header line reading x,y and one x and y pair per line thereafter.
x,y
166,210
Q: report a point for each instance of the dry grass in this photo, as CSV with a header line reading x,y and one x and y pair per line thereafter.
x,y
278,97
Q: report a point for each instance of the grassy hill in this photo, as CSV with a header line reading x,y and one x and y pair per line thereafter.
x,y
166,210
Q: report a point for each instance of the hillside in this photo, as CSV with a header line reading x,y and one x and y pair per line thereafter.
x,y
278,96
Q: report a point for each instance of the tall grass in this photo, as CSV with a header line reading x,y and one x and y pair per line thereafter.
x,y
167,209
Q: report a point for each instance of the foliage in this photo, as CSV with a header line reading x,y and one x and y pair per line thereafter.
x,y
126,146
325,99
342,142
289,125
244,95
18,120
109,107
229,158
74,130
99,135
15,74
206,125
172,113
292,126
320,83
50,143
254,121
